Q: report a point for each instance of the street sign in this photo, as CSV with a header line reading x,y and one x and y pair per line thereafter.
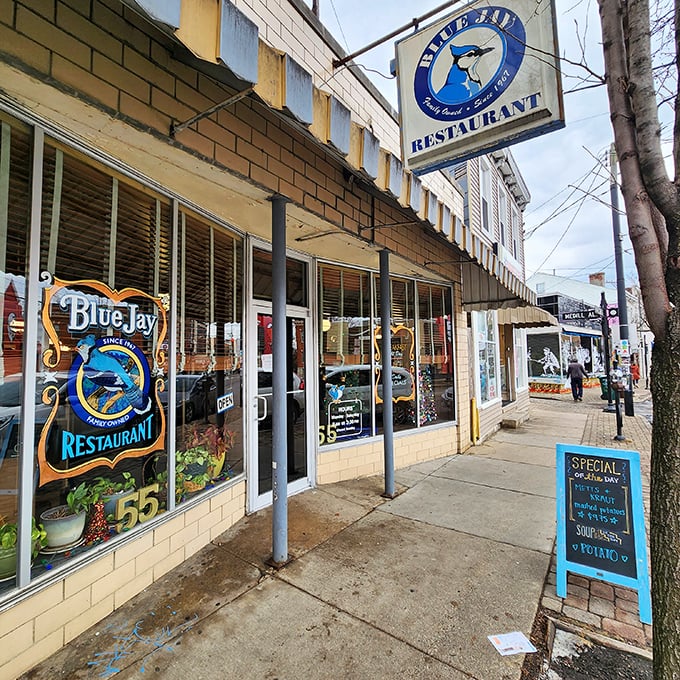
x,y
600,519
583,315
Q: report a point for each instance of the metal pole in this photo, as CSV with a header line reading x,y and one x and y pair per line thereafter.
x,y
620,275
619,437
414,23
618,250
609,408
279,383
386,350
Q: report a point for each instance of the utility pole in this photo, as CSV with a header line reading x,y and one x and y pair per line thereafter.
x,y
618,250
620,283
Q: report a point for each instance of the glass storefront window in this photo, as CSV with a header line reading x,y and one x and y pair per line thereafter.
x,y
100,401
487,348
520,345
346,381
404,387
15,159
296,278
209,413
543,355
436,397
351,344
100,427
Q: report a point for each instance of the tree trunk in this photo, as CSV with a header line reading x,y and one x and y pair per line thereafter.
x,y
665,505
655,236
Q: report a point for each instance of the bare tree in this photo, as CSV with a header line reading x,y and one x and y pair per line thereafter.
x,y
652,202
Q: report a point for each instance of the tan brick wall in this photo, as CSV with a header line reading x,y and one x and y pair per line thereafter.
x,y
416,446
36,627
107,55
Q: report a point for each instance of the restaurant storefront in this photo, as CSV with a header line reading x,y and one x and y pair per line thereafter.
x,y
138,308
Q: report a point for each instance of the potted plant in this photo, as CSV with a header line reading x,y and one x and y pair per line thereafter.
x,y
8,546
64,524
191,468
217,441
110,491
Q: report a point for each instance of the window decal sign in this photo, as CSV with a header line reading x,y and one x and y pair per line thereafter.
x,y
103,363
403,363
481,78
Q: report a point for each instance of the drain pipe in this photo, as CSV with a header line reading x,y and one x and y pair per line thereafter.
x,y
386,350
279,385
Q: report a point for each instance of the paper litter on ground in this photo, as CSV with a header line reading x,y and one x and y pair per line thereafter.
x,y
511,643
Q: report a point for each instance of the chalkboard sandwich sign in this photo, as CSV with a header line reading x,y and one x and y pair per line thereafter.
x,y
600,519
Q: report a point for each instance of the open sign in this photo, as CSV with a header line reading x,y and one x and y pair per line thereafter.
x,y
225,402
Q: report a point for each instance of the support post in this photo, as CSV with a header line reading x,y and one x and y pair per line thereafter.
x,y
279,385
609,408
386,350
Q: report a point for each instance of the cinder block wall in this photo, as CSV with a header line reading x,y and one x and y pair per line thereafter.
x,y
41,624
350,462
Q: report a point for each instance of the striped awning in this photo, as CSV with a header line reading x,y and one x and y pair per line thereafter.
x,y
526,317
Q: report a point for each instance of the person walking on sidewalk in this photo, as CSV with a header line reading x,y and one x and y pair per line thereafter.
x,y
576,373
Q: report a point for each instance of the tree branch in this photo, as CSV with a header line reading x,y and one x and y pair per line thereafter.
x,y
643,99
641,228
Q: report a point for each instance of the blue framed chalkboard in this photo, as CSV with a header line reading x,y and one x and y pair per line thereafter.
x,y
600,519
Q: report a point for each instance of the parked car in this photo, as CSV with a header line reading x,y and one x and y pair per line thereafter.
x,y
196,396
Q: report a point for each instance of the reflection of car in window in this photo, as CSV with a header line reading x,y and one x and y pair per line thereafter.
x,y
356,383
11,394
196,396
296,395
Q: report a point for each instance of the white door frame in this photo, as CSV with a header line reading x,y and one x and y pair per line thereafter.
x,y
255,307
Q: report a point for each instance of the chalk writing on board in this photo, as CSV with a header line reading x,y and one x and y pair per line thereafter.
x,y
599,529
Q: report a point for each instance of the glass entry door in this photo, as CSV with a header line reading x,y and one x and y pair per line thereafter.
x,y
297,439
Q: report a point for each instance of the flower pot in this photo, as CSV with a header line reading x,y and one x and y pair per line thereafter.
x,y
216,463
8,562
63,528
111,500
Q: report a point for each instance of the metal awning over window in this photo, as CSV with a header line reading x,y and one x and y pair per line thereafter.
x,y
579,330
501,289
526,317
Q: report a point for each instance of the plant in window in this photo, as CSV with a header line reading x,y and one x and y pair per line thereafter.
x,y
191,468
217,441
8,546
111,490
64,524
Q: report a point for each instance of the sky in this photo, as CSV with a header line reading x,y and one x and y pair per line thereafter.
x,y
568,223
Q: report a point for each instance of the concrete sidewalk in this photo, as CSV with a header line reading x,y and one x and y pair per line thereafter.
x,y
408,587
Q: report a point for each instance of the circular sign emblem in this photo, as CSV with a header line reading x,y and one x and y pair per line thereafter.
x,y
109,381
469,63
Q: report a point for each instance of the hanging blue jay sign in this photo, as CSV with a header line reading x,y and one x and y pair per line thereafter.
x,y
482,78
109,345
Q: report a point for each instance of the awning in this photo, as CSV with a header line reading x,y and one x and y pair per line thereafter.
x,y
526,317
487,284
579,330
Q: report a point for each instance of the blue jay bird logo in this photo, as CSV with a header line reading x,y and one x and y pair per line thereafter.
x,y
469,60
336,392
111,381
463,81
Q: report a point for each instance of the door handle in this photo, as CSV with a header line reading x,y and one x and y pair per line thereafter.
x,y
264,413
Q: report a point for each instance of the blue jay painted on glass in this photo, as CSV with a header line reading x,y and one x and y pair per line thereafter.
x,y
105,371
